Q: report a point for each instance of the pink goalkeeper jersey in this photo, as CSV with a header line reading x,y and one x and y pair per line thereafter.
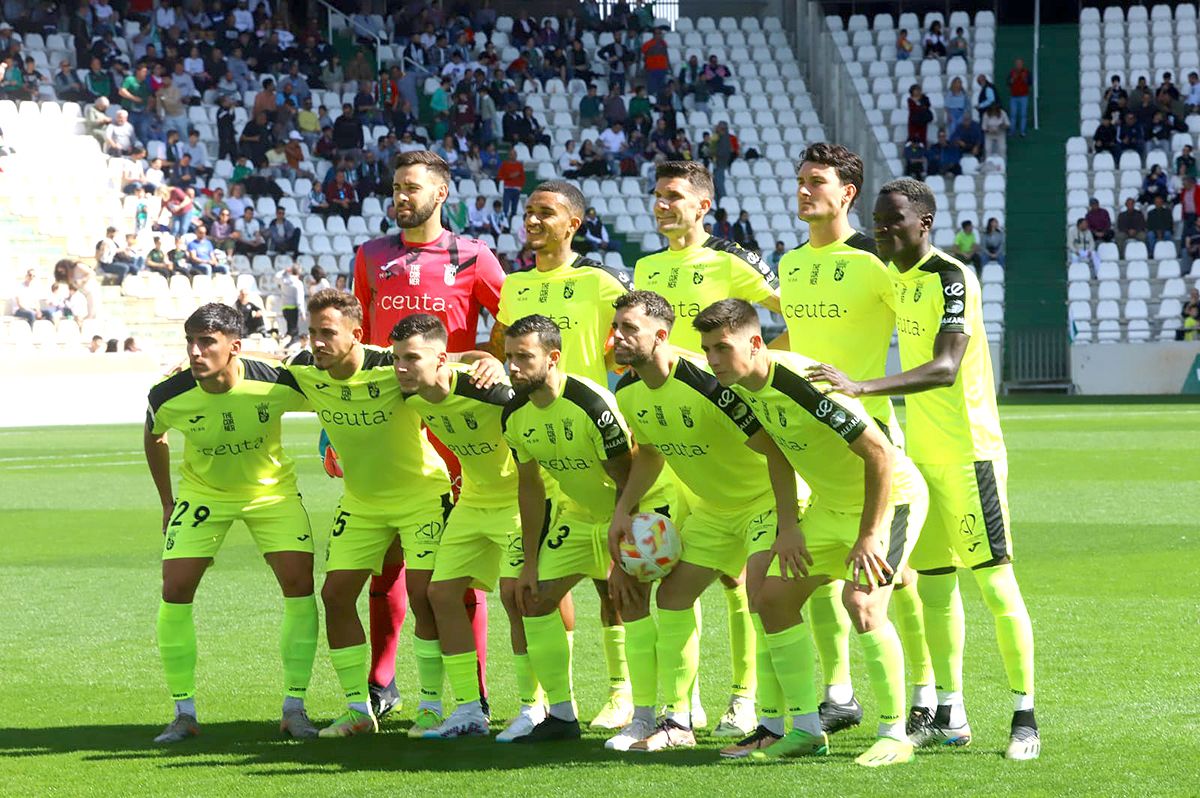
x,y
451,277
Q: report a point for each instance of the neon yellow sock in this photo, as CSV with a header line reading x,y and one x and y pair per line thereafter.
x,y
614,658
641,636
464,680
910,625
741,641
945,628
529,692
1014,631
430,673
678,657
830,625
298,643
351,665
550,653
792,655
176,633
769,695
885,667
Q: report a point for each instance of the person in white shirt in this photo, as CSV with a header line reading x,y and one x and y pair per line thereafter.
x,y
27,299
1193,94
248,234
183,81
243,18
477,217
165,16
198,152
569,159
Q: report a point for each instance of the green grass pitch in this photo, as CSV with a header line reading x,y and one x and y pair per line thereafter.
x,y
1104,503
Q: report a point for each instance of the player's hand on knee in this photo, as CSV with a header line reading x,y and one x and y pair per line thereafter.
x,y
622,589
868,562
527,590
792,552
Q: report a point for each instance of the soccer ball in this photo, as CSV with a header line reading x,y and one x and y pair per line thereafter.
x,y
655,548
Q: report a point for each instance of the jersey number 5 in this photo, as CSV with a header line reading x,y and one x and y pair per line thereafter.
x,y
339,523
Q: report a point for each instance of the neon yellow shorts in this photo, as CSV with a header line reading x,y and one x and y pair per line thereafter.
x,y
198,525
361,534
723,541
478,543
968,523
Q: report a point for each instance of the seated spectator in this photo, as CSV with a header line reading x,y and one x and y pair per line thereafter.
x,y
955,103
1131,223
993,241
592,163
252,314
715,74
132,253
1191,246
1099,221
497,220
27,299
202,254
944,157
317,280
743,232
157,261
591,112
222,232
342,284
316,200
935,43
178,256
1105,138
1130,137
987,94
96,119
67,86
995,131
721,226
613,140
1185,163
614,107
281,235
1081,246
183,175
119,136
1160,226
341,197
919,114
966,246
256,139
477,217
1190,330
107,256
904,46
1154,185
594,236
1189,201
968,136
957,46
249,235
1113,96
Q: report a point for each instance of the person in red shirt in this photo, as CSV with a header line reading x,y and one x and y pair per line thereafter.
x,y
422,269
1018,96
512,174
657,60
341,197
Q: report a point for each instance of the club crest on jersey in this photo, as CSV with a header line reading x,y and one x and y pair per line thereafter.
x,y
551,435
917,293
372,390
697,278
470,420
660,416
227,422
839,270
685,413
449,274
264,412
568,289
414,273
345,393
568,432
815,274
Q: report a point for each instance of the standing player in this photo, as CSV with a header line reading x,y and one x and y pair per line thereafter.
x,y
577,294
682,416
396,488
569,427
868,503
694,271
482,541
954,436
837,302
423,269
228,409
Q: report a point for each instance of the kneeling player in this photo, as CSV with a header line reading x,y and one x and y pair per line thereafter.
x,y
228,409
866,511
569,427
682,416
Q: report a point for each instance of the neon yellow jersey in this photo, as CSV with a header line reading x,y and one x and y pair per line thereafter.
x,y
838,304
387,460
467,421
959,423
233,444
693,278
815,430
579,297
700,428
571,439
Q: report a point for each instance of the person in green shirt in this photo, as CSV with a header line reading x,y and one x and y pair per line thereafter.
x,y
590,109
134,94
98,81
966,245
639,106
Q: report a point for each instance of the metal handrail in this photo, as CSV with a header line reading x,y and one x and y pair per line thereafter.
x,y
332,9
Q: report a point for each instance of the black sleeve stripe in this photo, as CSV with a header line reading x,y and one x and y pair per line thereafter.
x,y
616,440
620,275
842,421
954,293
724,399
628,378
752,258
171,387
514,404
265,372
498,394
374,358
863,242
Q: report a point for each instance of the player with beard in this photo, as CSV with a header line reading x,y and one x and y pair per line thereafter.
x,y
422,269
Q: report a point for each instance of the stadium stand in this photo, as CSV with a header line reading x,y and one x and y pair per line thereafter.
x,y
1137,287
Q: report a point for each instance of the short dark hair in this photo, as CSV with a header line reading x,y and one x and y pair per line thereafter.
x,y
568,191
431,161
844,161
423,324
215,317
652,304
548,333
918,194
731,314
694,172
346,304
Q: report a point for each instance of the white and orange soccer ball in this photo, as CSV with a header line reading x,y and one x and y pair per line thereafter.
x,y
655,548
